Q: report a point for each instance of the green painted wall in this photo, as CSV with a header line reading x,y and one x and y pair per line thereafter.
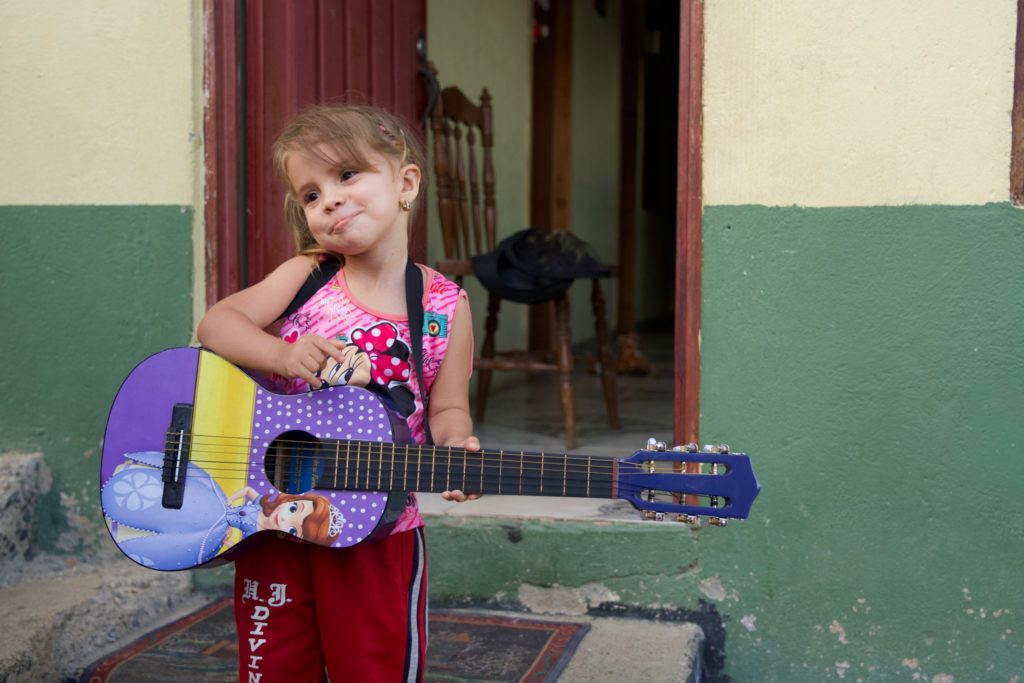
x,y
477,45
869,360
594,189
88,292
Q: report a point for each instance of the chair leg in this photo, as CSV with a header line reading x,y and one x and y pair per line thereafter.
x,y
604,355
483,385
565,362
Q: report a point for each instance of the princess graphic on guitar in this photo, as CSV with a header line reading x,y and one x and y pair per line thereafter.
x,y
132,499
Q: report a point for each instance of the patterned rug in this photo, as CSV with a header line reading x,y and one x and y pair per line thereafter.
x,y
465,647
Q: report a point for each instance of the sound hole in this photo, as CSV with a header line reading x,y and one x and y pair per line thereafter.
x,y
292,464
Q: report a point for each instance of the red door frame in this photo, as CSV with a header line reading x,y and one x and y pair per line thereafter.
x,y
689,217
221,131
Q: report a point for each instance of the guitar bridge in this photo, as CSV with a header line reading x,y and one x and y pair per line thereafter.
x,y
176,455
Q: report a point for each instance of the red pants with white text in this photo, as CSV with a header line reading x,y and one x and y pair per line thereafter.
x,y
305,612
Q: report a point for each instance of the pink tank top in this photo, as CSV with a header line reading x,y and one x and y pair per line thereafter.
x,y
379,350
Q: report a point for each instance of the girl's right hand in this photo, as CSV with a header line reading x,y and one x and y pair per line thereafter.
x,y
307,356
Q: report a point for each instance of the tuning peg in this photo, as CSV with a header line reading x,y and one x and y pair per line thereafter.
x,y
717,521
652,515
652,444
688,519
723,448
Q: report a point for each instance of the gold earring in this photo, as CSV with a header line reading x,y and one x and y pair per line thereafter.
x,y
405,205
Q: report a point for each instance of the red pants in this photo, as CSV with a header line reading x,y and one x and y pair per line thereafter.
x,y
358,612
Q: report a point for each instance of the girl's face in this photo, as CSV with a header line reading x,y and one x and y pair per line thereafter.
x,y
289,517
349,211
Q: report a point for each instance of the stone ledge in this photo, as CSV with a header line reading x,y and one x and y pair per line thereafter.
x,y
23,477
531,507
59,616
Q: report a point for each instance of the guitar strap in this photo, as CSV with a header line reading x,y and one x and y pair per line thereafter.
x,y
320,276
414,307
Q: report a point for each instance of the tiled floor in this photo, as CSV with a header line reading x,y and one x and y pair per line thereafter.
x,y
526,416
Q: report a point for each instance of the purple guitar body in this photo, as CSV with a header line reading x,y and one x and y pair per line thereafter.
x,y
198,458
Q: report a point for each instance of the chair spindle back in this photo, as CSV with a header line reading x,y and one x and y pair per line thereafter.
x,y
464,164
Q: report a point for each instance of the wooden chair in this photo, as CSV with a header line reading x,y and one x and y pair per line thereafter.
x,y
463,139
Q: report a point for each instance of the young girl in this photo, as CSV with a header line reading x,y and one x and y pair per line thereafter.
x,y
353,176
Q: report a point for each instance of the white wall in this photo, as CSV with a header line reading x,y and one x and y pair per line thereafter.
x,y
839,103
99,102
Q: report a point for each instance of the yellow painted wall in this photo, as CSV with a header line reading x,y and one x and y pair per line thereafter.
x,y
99,102
595,148
487,44
837,103
476,44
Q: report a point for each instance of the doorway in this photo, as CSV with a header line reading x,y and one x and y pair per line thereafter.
x,y
279,42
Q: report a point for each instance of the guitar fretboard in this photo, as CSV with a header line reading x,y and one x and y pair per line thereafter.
x,y
379,466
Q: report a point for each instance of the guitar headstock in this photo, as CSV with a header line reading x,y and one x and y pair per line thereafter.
x,y
686,482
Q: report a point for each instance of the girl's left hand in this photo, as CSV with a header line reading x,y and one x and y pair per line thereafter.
x,y
471,444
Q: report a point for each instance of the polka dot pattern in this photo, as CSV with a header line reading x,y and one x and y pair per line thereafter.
x,y
340,412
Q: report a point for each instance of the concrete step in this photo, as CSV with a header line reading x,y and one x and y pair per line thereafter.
x,y
621,649
59,613
58,627
59,616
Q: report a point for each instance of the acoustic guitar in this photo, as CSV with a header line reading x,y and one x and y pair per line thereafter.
x,y
199,458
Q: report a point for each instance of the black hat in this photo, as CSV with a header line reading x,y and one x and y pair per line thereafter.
x,y
533,266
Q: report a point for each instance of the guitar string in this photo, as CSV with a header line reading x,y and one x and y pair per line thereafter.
x,y
552,491
508,460
372,472
441,464
597,464
480,466
694,500
243,445
476,466
682,455
487,460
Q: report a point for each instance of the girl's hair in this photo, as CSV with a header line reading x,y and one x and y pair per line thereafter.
x,y
316,527
350,132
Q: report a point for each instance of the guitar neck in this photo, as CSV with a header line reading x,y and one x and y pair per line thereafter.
x,y
378,466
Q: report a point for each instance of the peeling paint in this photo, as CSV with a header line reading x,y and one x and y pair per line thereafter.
x,y
841,668
748,621
943,678
565,599
692,568
712,587
910,663
837,628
